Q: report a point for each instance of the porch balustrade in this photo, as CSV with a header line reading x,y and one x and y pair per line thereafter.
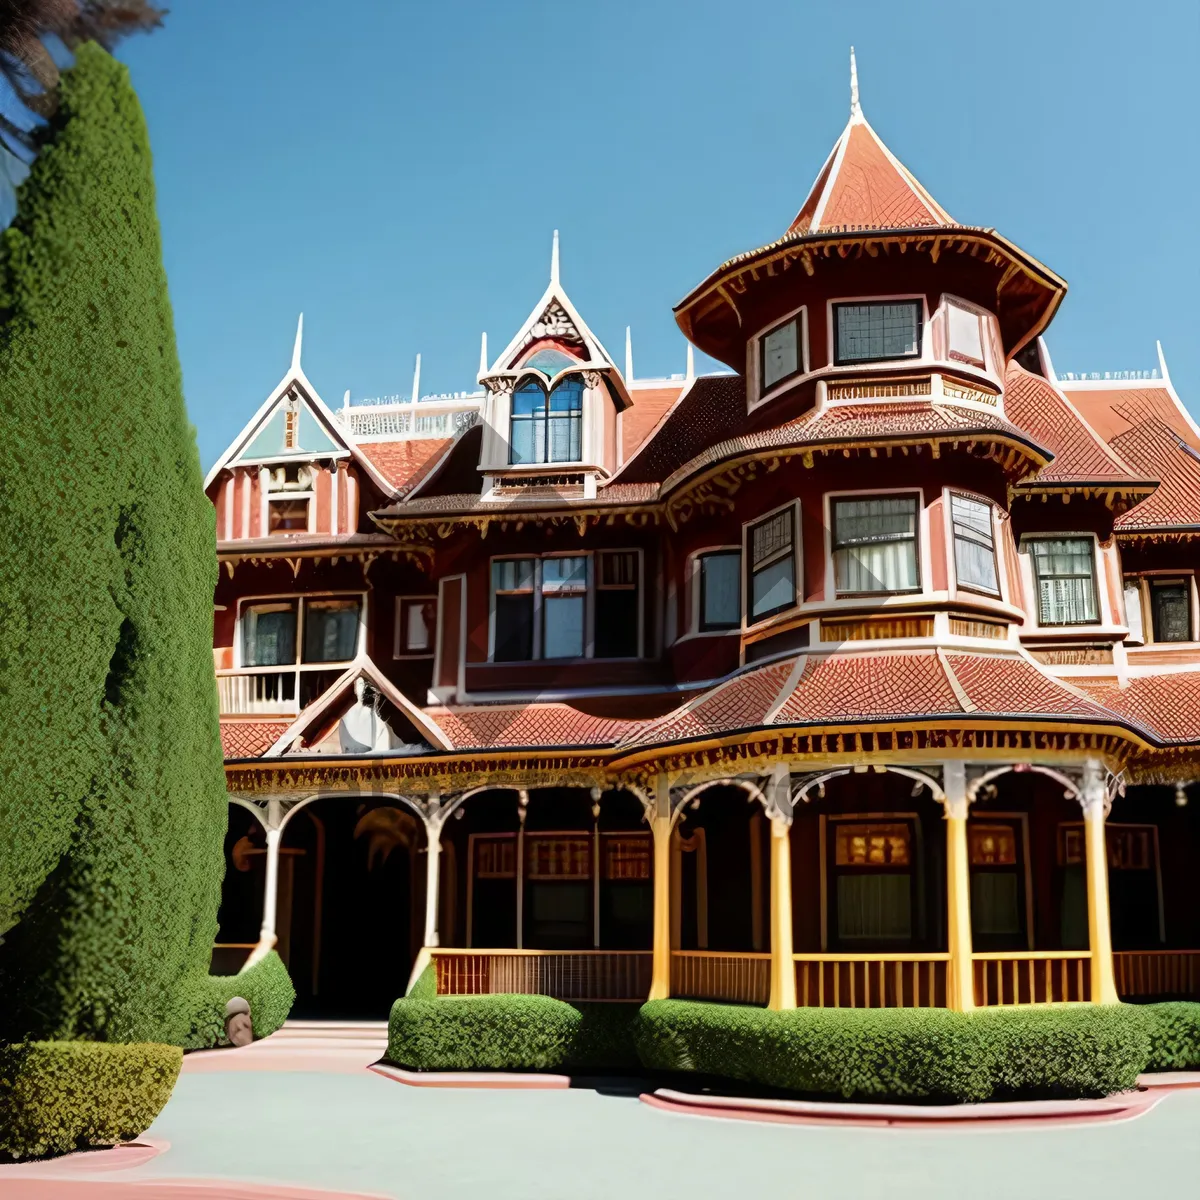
x,y
871,980
593,975
1032,977
1157,974
709,975
251,691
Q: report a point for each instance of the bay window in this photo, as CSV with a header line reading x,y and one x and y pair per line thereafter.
x,y
974,545
1064,572
546,607
772,559
781,352
878,330
875,545
547,428
720,601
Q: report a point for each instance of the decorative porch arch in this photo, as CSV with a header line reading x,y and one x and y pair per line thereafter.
x,y
801,794
746,785
1073,788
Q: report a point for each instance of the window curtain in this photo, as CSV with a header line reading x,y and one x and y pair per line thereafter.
x,y
876,545
1066,584
269,637
874,906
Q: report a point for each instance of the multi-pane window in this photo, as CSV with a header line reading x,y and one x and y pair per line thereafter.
x,y
618,602
772,559
541,606
720,590
872,870
1171,610
1064,572
547,428
331,631
974,545
879,330
564,606
781,353
875,545
269,634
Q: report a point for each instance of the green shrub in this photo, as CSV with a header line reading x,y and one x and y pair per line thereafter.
x,y
426,986
112,795
606,1038
62,1096
903,1053
266,986
482,1033
1174,1036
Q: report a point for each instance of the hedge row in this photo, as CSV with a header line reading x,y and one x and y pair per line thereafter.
x,y
112,795
867,1053
266,986
61,1096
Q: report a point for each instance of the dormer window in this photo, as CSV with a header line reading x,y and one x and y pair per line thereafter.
x,y
876,331
547,428
1064,571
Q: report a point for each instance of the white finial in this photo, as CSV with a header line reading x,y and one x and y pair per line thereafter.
x,y
554,259
483,359
628,355
299,342
346,399
1162,362
855,107
691,363
416,392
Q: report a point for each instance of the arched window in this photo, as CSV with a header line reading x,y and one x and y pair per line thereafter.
x,y
549,361
547,428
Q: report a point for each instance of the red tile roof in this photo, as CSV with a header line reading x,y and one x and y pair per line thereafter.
x,y
1176,501
249,739
833,689
1080,454
1113,411
1168,703
863,185
405,463
650,405
526,725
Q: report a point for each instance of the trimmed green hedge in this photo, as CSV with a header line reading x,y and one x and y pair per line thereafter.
x,y
1174,1036
904,1053
267,987
876,1054
61,1096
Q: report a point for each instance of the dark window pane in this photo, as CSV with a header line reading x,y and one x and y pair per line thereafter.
x,y
514,628
1172,613
269,636
616,623
884,330
721,590
330,631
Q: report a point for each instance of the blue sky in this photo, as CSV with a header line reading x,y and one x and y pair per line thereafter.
x,y
395,170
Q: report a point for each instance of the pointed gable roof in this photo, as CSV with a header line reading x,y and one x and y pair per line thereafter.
x,y
864,185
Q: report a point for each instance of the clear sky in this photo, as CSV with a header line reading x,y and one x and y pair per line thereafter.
x,y
395,169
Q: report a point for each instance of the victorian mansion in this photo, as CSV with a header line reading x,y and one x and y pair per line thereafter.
x,y
863,673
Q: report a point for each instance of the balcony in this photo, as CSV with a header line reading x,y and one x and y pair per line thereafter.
x,y
273,691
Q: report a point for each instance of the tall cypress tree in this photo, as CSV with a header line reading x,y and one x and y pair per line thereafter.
x,y
112,798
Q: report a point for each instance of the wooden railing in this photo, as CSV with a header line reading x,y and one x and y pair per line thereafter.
x,y
711,975
871,980
563,974
1155,974
257,691
1032,977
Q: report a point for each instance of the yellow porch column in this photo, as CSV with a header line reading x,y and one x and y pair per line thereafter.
x,y
1094,800
660,827
783,968
960,980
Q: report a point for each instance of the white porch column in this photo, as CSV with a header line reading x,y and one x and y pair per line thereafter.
x,y
271,891
433,861
1094,799
960,983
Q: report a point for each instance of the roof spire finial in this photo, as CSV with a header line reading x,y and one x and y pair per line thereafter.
x,y
416,392
628,355
483,359
855,108
299,342
554,260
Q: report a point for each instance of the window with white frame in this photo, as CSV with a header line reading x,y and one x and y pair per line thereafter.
x,y
720,590
781,352
974,544
876,330
547,427
771,564
1064,573
875,545
541,606
416,619
964,334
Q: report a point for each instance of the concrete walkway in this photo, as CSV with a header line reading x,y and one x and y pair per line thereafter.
x,y
354,1132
